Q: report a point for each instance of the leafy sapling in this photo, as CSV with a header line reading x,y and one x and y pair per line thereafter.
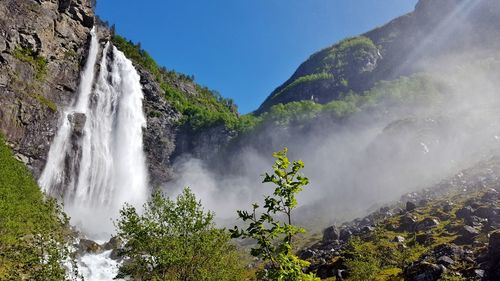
x,y
274,237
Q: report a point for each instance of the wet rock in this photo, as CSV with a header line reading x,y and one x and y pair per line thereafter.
x,y
398,210
447,207
367,229
116,254
466,235
449,250
478,273
330,234
426,224
366,222
445,260
410,206
407,223
422,271
77,121
423,202
486,212
494,246
391,227
89,247
113,243
425,239
465,212
345,234
474,221
307,254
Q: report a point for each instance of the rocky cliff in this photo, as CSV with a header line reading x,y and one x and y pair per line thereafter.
x,y
42,46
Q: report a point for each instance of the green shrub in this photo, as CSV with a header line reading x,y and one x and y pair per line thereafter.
x,y
272,228
176,240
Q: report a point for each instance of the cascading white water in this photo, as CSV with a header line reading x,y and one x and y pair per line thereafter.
x,y
96,161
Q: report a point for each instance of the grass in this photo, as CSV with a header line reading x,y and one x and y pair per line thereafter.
x,y
376,256
304,80
46,102
38,62
25,218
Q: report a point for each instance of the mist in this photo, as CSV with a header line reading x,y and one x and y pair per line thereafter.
x,y
376,155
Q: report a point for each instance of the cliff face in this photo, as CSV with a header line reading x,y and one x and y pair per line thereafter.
x,y
403,46
42,45
160,134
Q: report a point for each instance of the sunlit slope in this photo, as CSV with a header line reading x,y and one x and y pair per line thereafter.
x,y
406,45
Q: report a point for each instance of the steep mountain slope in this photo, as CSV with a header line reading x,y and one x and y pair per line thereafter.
x,y
404,46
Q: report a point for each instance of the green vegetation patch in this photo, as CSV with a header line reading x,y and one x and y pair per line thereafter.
x,y
32,228
305,79
38,62
46,102
335,63
203,109
176,240
348,51
418,89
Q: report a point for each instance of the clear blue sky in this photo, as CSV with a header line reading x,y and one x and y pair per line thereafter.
x,y
243,49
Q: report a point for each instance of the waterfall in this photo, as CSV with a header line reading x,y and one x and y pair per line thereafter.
x,y
96,161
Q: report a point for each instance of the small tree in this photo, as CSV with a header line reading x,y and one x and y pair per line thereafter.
x,y
274,237
175,240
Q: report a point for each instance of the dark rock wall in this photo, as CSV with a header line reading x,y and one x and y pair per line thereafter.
x,y
42,46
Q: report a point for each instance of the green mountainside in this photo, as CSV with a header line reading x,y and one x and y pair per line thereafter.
x,y
31,226
402,47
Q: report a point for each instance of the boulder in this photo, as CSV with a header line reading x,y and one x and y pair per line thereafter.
x,y
113,243
447,207
307,254
77,121
410,206
449,250
466,235
425,238
422,271
426,224
445,260
465,212
485,212
89,247
330,234
407,223
494,246
345,234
